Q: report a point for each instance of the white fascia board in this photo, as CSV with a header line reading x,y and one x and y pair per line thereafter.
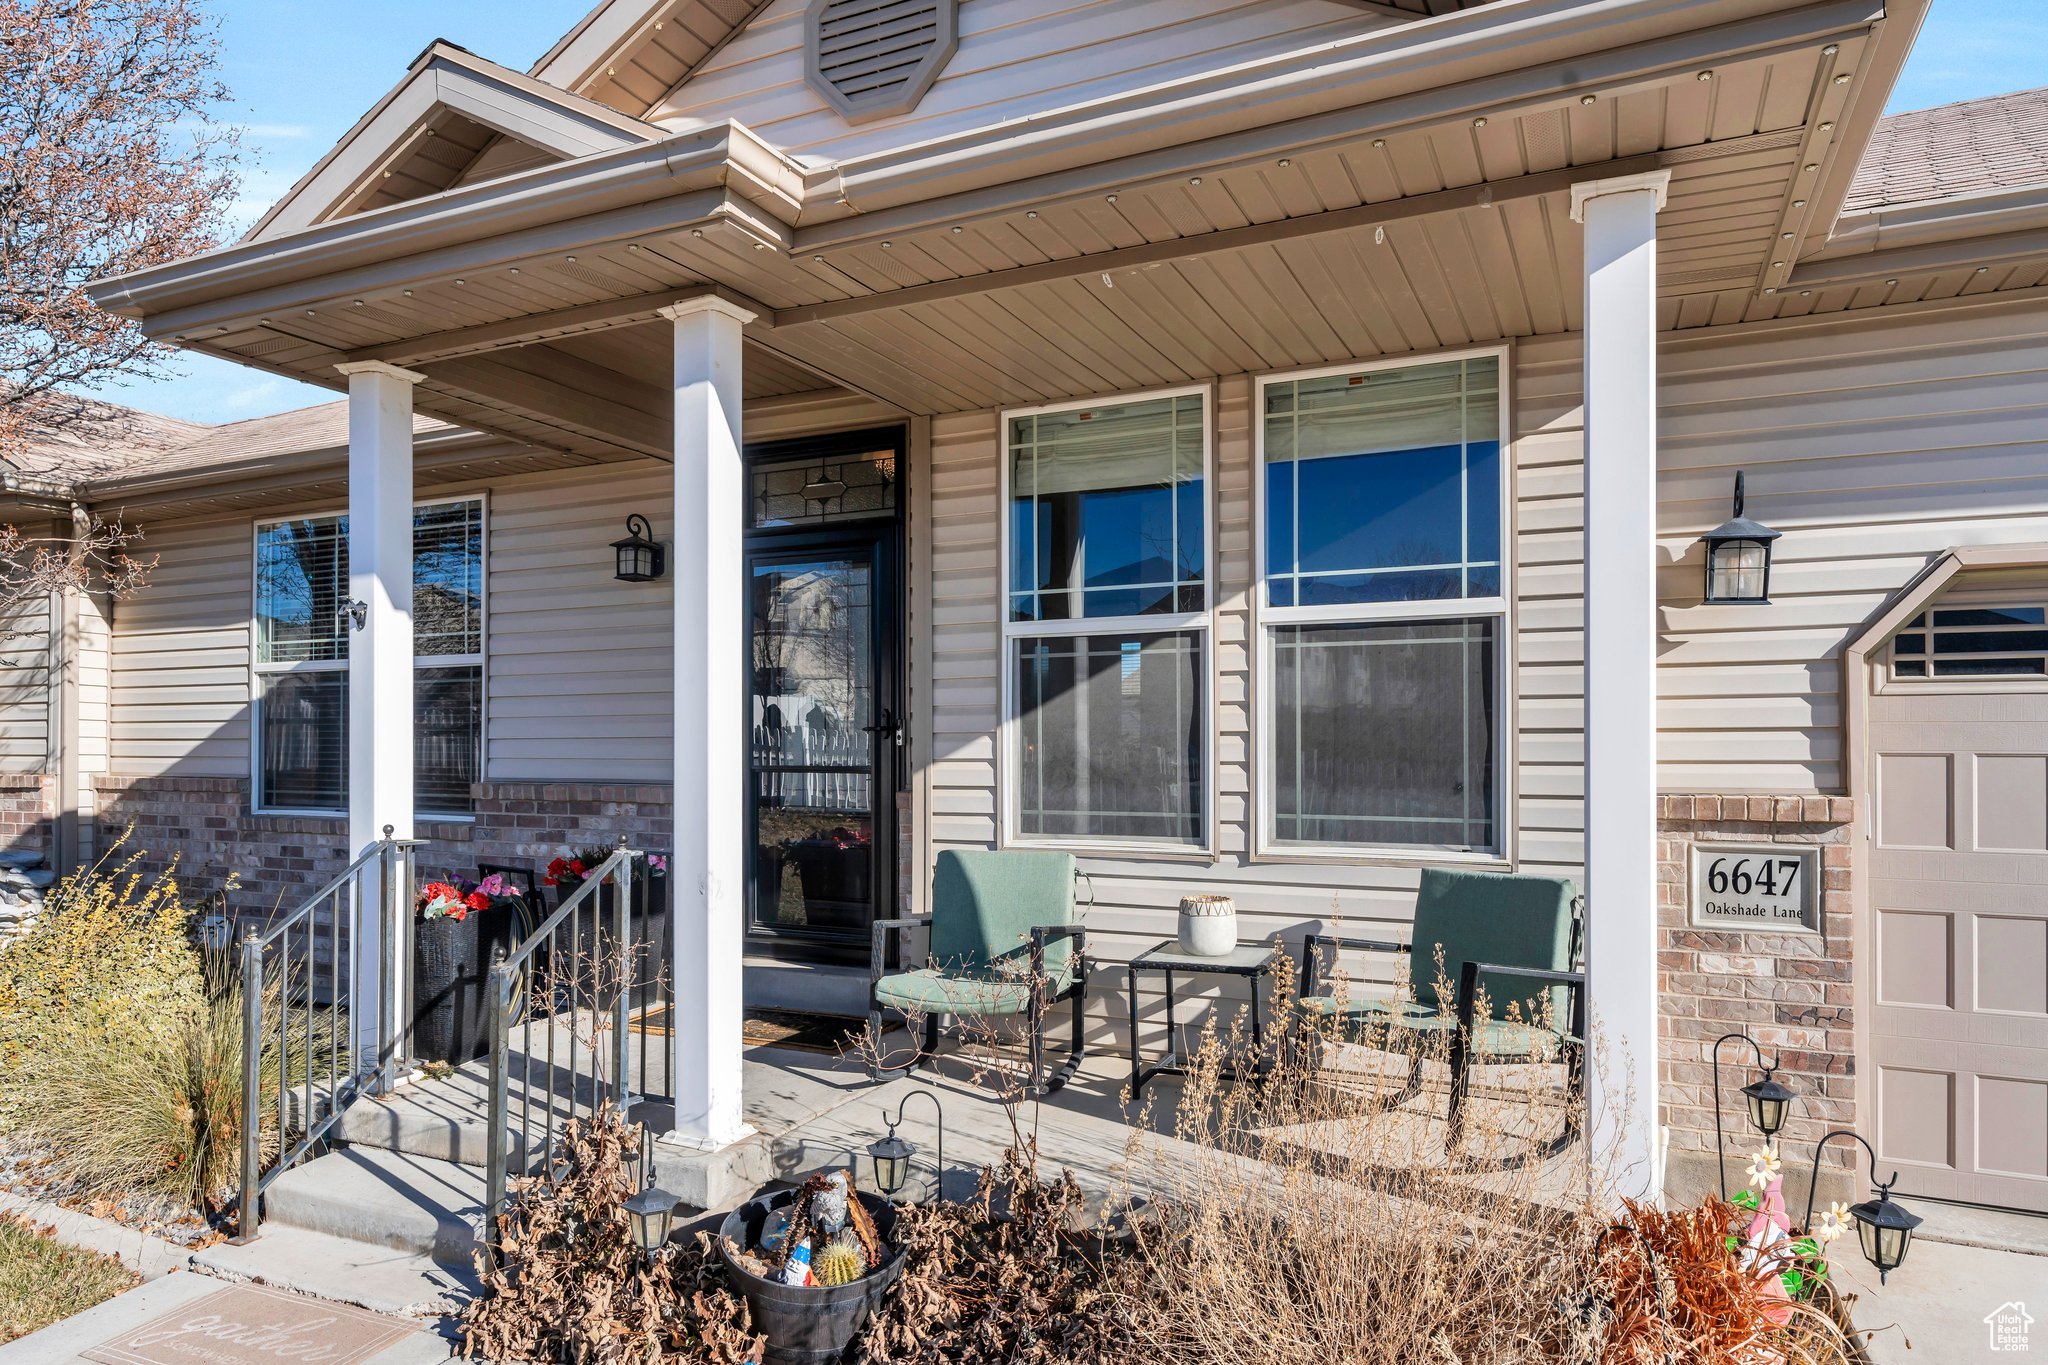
x,y
1492,59
729,168
445,77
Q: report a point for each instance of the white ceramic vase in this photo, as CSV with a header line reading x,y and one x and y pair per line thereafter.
x,y
1208,925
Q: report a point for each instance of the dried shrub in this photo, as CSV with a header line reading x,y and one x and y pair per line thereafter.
x,y
1011,1277
1674,1291
573,1287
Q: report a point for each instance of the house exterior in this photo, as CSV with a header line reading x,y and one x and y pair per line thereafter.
x,y
1261,447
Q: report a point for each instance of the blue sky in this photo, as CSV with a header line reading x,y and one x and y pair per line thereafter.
x,y
302,72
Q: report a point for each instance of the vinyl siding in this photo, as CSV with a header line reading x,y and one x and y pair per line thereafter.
x,y
178,659
1874,442
1016,58
25,690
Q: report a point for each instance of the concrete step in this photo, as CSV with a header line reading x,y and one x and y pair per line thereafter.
x,y
382,1279
412,1203
423,1121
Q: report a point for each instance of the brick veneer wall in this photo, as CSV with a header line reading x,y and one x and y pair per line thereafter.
x,y
1793,993
27,810
277,860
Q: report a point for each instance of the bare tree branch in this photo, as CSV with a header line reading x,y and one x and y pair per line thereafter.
x,y
111,160
94,559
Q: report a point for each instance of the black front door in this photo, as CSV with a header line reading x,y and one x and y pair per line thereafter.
x,y
824,712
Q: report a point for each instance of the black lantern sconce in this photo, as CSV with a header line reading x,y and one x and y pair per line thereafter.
x,y
640,558
1739,557
1769,1103
1883,1228
892,1154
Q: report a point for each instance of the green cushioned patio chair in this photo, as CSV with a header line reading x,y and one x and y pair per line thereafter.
x,y
1004,940
1516,936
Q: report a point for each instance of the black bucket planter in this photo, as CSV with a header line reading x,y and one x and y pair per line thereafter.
x,y
808,1326
451,962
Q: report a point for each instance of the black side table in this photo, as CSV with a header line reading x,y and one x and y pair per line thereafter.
x,y
1249,960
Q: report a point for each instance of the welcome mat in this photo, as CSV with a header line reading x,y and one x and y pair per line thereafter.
x,y
249,1324
775,1028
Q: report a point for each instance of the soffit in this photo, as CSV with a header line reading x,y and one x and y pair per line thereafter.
x,y
628,53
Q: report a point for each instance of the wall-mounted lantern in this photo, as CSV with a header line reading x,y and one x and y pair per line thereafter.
x,y
1739,557
640,558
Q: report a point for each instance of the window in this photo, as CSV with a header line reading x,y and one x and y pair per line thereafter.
x,y
1383,608
301,662
1973,642
1107,622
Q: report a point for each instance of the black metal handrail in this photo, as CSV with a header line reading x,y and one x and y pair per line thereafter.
x,y
597,979
353,1065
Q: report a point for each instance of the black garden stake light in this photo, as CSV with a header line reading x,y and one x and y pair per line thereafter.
x,y
1769,1102
640,558
652,1211
1883,1228
1739,557
891,1154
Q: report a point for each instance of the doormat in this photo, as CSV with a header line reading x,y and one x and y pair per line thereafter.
x,y
249,1324
832,1033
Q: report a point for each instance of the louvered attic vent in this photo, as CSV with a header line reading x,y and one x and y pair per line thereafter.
x,y
873,58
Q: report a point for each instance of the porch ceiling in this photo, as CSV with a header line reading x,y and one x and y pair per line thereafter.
x,y
1418,223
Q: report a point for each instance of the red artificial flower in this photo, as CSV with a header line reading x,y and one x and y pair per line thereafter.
x,y
477,900
555,871
576,866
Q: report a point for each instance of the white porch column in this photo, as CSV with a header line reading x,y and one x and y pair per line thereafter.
x,y
1620,217
380,694
706,873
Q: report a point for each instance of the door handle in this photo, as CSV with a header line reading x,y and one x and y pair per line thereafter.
x,y
888,727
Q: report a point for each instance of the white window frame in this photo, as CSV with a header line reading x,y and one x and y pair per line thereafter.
x,y
1265,617
2027,593
259,670
1009,735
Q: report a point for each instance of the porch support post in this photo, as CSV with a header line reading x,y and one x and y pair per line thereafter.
x,y
1620,217
706,874
380,693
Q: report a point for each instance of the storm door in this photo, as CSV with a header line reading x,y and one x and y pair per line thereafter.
x,y
824,715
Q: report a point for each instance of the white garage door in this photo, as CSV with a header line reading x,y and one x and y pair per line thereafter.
x,y
1959,886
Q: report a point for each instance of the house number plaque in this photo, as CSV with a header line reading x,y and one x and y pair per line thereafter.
x,y
1773,888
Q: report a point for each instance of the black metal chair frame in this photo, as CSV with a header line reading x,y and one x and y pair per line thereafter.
x,y
1041,1001
1461,1057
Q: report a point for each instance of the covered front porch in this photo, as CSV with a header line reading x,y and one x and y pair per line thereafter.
x,y
649,308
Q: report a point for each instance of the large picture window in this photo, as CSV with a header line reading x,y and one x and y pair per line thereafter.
x,y
301,660
1107,622
1383,608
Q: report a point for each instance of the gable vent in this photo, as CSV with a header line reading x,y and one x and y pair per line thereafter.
x,y
873,58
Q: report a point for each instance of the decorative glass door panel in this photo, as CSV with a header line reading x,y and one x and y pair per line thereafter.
x,y
819,726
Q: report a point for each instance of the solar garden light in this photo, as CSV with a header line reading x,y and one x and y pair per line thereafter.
x,y
652,1211
1769,1102
891,1154
1883,1228
1739,557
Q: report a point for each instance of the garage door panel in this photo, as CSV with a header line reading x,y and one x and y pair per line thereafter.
x,y
2012,802
2012,964
1958,865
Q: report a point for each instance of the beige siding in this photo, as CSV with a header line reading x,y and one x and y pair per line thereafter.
x,y
578,662
25,690
1016,58
179,656
1874,443
1136,897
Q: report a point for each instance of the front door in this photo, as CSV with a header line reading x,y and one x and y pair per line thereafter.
x,y
824,715
1959,886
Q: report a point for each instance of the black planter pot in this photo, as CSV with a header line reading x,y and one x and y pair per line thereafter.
x,y
808,1325
451,961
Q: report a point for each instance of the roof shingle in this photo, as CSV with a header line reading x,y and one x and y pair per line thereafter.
x,y
1965,148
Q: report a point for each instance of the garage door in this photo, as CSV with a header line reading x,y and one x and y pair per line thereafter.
x,y
1959,887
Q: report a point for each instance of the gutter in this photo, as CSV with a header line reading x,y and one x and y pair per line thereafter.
x,y
1982,214
222,476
